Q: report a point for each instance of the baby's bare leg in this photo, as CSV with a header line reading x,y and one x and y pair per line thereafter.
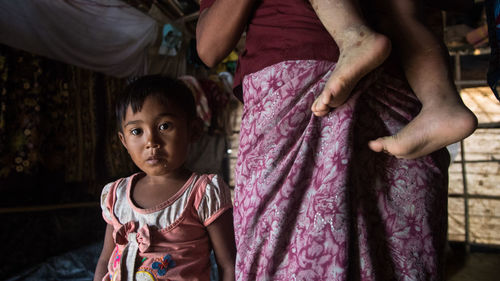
x,y
361,50
443,119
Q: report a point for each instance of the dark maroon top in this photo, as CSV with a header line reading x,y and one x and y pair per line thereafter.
x,y
281,30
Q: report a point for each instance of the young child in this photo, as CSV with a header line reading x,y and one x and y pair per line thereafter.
x,y
443,119
164,221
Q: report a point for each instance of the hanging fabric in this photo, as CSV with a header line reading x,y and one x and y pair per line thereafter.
x,y
106,36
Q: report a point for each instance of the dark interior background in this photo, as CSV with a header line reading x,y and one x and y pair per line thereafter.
x,y
58,147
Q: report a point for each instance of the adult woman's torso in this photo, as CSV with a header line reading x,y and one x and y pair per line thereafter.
x,y
279,31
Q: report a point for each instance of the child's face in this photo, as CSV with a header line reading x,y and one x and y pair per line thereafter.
x,y
157,137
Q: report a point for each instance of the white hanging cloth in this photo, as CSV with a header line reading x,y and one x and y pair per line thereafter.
x,y
106,36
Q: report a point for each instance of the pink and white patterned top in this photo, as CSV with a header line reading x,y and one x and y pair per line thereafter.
x,y
168,241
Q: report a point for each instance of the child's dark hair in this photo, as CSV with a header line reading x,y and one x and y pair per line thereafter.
x,y
165,89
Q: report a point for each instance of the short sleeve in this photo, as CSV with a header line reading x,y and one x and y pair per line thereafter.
x,y
205,4
215,201
106,212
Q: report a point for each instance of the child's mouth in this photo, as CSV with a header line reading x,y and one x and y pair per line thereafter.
x,y
153,160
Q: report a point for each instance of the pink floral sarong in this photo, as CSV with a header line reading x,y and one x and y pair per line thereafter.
x,y
313,202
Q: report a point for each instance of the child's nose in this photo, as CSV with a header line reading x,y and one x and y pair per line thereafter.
x,y
152,141
152,145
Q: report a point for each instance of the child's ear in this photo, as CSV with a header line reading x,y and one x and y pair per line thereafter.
x,y
196,129
122,139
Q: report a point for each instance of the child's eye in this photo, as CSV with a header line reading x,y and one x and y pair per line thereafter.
x,y
136,132
164,126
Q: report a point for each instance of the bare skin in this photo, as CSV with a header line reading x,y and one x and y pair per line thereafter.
x,y
107,249
220,27
361,50
221,233
433,128
443,119
366,51
157,138
221,236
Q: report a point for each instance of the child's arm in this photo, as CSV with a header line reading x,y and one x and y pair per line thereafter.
x,y
221,233
219,29
107,249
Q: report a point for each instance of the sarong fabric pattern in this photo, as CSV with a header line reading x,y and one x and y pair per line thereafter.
x,y
313,202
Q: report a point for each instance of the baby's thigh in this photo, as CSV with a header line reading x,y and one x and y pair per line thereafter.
x,y
398,9
395,17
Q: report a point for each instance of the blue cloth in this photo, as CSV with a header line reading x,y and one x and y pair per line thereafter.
x,y
77,265
493,19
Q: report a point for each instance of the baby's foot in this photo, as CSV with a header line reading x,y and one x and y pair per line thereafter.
x,y
433,128
362,51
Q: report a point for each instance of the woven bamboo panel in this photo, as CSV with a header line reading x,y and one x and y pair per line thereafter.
x,y
482,166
